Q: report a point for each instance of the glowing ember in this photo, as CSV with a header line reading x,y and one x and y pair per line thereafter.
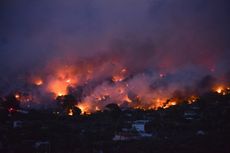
x,y
17,96
97,108
70,112
192,99
219,89
117,78
222,90
38,82
11,110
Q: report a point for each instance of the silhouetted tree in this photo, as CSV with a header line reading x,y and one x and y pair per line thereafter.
x,y
113,107
114,110
67,101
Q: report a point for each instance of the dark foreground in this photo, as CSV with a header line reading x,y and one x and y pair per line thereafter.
x,y
201,127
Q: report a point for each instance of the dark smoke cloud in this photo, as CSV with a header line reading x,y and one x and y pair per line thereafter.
x,y
161,35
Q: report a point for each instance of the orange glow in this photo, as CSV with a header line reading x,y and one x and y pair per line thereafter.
x,y
158,103
117,78
120,76
127,99
68,81
192,99
63,78
97,108
219,89
23,98
17,96
84,108
70,112
173,103
38,82
58,87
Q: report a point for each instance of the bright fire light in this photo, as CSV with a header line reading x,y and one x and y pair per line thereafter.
x,y
127,99
17,96
38,82
219,89
84,108
70,112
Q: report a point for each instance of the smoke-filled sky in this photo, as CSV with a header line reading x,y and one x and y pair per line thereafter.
x,y
63,43
186,36
153,32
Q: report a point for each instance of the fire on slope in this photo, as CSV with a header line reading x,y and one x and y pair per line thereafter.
x,y
62,79
222,90
123,89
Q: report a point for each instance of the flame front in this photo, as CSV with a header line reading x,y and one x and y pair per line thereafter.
x,y
64,78
120,86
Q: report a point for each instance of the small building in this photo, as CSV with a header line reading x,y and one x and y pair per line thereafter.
x,y
139,126
137,131
17,124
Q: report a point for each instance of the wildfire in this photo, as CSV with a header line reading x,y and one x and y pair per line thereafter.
x,y
38,82
58,87
157,103
84,108
64,78
219,89
141,91
127,99
192,99
70,112
169,104
120,76
17,96
222,90
117,78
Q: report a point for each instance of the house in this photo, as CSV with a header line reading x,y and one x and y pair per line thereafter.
x,y
17,124
139,126
137,131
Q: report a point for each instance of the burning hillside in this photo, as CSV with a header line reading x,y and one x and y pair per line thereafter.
x,y
92,86
146,54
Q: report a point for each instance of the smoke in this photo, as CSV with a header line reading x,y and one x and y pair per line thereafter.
x,y
183,40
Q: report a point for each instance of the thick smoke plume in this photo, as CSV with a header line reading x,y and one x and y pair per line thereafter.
x,y
151,49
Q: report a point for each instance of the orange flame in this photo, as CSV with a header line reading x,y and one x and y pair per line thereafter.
x,y
64,78
38,82
127,99
17,96
70,112
85,109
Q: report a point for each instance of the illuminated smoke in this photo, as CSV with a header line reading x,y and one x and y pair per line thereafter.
x,y
136,53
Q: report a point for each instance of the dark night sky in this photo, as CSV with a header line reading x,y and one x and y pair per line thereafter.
x,y
160,34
